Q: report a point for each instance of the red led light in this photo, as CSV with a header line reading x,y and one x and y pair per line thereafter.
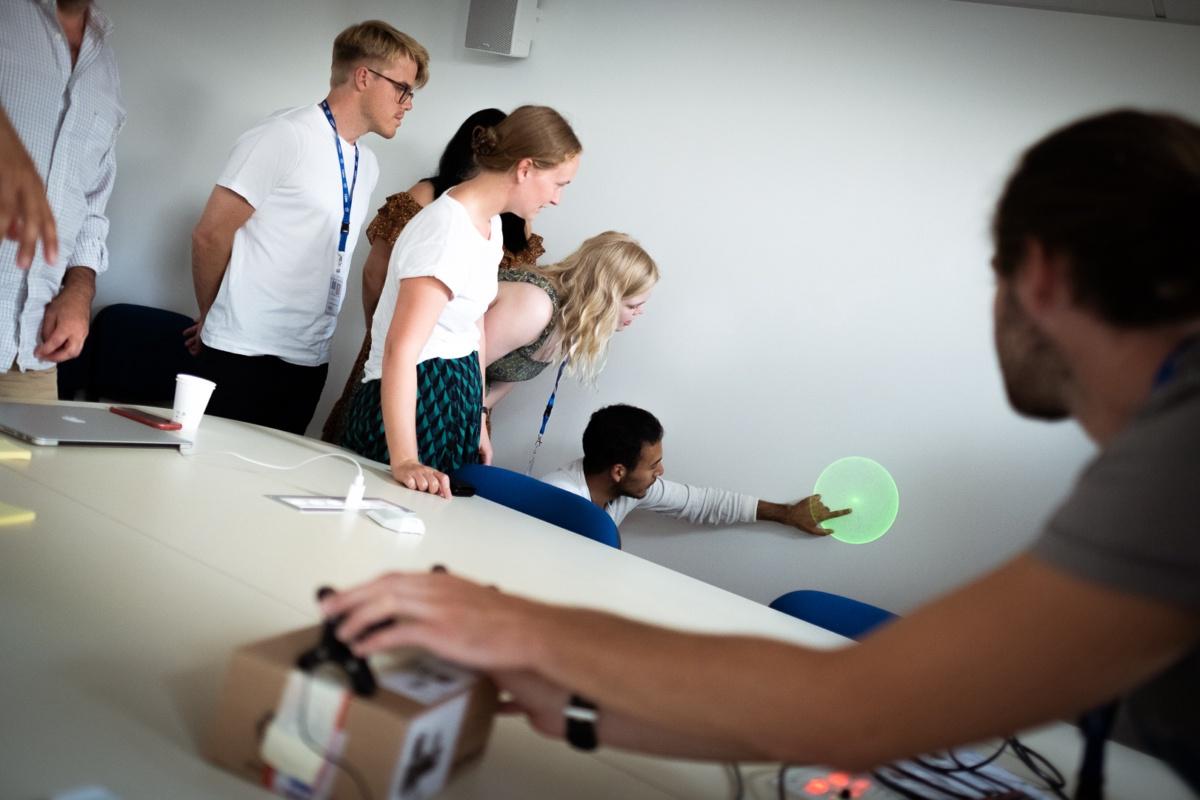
x,y
839,780
817,786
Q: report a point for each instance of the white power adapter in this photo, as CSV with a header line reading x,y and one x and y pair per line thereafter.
x,y
354,495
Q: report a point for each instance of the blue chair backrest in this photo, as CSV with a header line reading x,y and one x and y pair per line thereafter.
x,y
833,612
537,499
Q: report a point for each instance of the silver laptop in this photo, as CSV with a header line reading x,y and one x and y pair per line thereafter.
x,y
51,424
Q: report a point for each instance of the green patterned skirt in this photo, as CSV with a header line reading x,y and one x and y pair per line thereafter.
x,y
449,404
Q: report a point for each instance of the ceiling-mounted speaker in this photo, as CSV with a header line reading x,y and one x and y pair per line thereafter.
x,y
503,27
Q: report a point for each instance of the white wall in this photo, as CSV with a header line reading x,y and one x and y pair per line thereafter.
x,y
815,179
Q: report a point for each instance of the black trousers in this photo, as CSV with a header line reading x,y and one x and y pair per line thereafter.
x,y
263,390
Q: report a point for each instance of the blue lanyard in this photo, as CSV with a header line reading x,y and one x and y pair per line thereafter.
x,y
347,191
550,403
546,416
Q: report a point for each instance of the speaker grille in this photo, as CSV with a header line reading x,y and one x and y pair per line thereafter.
x,y
490,25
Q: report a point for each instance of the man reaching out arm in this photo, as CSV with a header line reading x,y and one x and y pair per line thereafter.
x,y
622,467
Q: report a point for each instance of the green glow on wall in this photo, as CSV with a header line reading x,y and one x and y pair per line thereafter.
x,y
865,487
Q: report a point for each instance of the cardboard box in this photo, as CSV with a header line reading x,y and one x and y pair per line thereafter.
x,y
309,736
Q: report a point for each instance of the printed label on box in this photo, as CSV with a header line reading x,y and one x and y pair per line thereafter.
x,y
429,747
424,678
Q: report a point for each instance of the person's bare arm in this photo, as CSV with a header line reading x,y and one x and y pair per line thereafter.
x,y
517,317
422,193
25,214
374,274
212,243
419,302
496,391
1025,644
542,703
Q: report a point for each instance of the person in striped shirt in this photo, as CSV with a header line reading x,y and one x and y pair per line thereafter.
x,y
61,105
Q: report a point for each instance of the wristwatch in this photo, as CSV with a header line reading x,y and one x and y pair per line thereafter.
x,y
581,718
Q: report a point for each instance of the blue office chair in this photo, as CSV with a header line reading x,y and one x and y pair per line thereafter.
x,y
131,355
833,612
537,499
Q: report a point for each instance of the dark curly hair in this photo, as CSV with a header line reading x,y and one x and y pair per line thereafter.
x,y
615,435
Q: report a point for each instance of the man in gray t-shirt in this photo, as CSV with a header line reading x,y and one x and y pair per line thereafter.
x,y
1126,525
1097,317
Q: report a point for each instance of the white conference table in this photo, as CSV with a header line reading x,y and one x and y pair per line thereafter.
x,y
145,568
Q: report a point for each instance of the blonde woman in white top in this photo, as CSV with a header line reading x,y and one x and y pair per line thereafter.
x,y
567,310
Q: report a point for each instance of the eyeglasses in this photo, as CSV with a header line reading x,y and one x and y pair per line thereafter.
x,y
405,91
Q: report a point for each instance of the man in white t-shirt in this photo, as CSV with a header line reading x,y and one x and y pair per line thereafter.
x,y
272,250
621,470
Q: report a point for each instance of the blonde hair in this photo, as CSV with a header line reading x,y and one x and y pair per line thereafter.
x,y
535,132
592,283
375,41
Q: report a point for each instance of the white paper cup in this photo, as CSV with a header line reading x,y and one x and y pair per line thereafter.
x,y
191,398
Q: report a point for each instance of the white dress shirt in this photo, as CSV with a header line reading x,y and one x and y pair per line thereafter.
x,y
68,118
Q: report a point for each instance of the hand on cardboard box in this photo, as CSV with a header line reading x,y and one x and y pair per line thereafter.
x,y
459,620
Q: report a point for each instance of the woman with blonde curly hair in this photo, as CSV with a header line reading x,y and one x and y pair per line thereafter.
x,y
567,310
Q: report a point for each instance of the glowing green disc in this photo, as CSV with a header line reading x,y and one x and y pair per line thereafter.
x,y
866,488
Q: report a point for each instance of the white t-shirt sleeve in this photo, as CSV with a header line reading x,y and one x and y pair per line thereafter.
x,y
699,505
261,158
426,249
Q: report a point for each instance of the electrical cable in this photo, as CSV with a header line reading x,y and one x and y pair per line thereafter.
x,y
1034,761
984,786
961,777
959,766
354,493
916,778
975,770
896,787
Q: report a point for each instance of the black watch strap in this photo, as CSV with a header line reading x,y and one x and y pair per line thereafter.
x,y
581,718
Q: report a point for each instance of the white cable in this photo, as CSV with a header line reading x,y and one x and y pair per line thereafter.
x,y
354,494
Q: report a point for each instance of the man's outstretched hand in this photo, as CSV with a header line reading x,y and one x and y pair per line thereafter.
x,y
806,515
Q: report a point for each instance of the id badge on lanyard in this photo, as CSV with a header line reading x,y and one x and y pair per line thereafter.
x,y
337,281
337,285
